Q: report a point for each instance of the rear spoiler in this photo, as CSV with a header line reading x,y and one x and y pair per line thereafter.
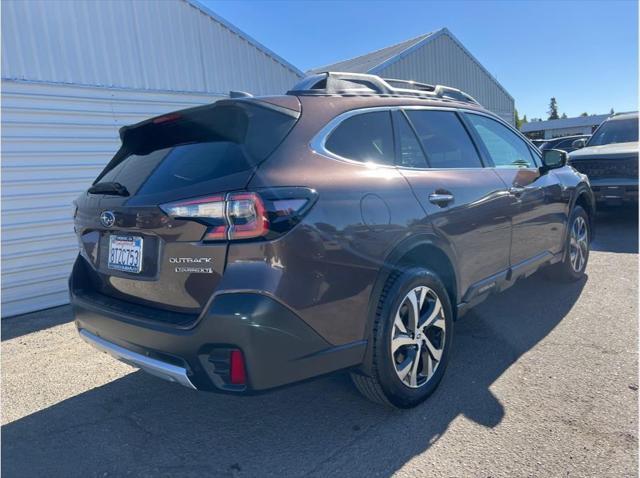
x,y
165,119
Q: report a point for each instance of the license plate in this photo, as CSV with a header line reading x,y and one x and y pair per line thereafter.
x,y
125,253
613,192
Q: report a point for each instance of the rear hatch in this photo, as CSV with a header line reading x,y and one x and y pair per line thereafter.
x,y
135,251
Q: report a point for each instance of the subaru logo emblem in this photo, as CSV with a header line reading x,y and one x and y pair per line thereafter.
x,y
107,219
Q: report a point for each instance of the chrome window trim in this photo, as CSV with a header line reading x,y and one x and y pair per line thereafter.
x,y
318,142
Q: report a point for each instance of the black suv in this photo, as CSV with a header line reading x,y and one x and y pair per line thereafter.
x,y
610,160
256,242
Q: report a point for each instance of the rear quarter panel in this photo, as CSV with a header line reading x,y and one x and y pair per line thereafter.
x,y
326,267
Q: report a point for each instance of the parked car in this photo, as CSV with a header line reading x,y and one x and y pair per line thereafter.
x,y
538,142
256,242
565,143
610,159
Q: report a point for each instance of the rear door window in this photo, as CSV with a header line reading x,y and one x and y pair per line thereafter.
x,y
444,139
365,137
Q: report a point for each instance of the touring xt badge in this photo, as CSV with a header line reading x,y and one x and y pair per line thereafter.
x,y
195,264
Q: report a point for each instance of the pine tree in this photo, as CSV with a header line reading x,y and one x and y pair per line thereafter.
x,y
553,109
564,116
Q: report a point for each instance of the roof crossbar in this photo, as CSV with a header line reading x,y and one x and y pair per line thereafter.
x,y
361,84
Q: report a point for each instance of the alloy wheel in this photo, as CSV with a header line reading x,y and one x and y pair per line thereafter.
x,y
578,244
418,337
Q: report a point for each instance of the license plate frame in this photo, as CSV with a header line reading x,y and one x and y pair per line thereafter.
x,y
129,245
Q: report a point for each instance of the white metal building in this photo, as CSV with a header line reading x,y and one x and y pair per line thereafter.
x,y
72,74
435,58
562,127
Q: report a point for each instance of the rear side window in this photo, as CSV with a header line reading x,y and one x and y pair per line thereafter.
x,y
365,137
444,139
195,146
506,149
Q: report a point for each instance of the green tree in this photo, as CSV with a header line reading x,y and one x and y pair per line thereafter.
x,y
553,109
585,114
612,112
564,116
520,121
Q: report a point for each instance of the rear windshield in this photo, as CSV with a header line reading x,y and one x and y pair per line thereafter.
x,y
615,131
199,145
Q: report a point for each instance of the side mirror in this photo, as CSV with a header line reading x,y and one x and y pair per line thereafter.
x,y
553,159
579,143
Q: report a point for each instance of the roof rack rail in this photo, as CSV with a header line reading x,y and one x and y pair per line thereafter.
x,y
239,94
361,84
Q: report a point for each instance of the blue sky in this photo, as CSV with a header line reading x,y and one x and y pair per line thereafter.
x,y
585,53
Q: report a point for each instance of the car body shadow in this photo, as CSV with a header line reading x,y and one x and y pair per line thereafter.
x,y
138,425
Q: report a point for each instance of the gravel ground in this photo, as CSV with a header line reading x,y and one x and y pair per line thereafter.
x,y
543,382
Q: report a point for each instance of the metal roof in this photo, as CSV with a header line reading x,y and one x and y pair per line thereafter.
x,y
250,39
367,62
378,60
577,122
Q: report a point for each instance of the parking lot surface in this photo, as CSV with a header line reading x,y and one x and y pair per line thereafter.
x,y
543,382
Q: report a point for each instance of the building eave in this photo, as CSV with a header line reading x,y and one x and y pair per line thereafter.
x,y
443,31
207,11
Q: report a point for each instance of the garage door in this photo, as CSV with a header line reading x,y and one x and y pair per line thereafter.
x,y
55,140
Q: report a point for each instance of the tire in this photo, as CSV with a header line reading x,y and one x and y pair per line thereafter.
x,y
396,379
572,267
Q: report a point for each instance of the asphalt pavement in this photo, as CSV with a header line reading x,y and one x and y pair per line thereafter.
x,y
543,382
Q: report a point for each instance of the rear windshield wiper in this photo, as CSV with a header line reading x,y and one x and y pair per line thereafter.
x,y
116,189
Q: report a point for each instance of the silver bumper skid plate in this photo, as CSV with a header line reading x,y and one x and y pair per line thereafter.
x,y
163,370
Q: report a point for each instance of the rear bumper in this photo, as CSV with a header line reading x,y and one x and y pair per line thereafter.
x,y
277,346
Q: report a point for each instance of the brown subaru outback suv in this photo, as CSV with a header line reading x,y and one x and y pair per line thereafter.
x,y
256,242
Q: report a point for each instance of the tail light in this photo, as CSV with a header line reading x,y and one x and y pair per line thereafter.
x,y
237,372
245,215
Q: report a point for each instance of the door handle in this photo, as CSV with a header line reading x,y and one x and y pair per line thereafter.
x,y
441,199
517,191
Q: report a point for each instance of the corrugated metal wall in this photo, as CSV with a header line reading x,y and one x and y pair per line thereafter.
x,y
159,45
442,61
73,73
55,140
